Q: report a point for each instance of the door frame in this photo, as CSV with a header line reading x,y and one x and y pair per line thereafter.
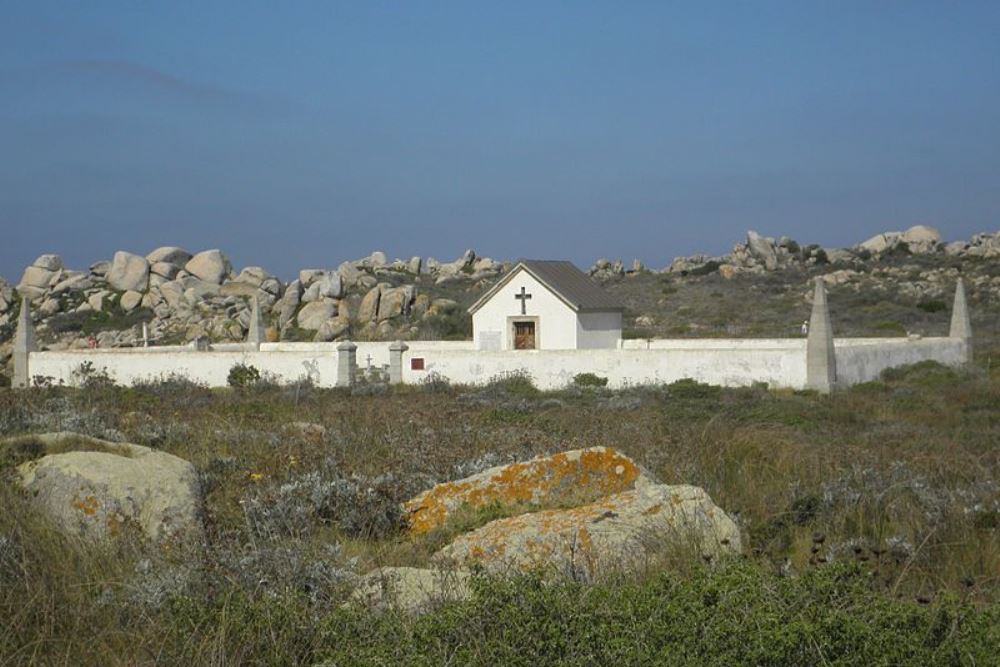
x,y
511,330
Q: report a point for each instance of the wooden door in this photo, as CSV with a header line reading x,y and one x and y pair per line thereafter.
x,y
524,335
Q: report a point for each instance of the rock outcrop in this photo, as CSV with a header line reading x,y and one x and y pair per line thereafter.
x,y
568,477
619,533
98,489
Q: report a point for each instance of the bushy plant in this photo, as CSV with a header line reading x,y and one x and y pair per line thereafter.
x,y
87,376
358,506
589,380
243,375
517,383
688,388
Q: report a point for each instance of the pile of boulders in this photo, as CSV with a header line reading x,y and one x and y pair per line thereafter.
x,y
185,296
760,254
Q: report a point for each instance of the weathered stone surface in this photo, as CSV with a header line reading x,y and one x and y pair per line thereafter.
x,y
289,301
236,288
100,268
165,269
98,492
578,475
369,304
128,272
173,294
332,329
313,315
73,282
254,275
49,307
130,301
881,242
326,285
49,262
209,265
411,589
169,255
35,276
394,302
6,295
349,273
763,250
618,533
921,239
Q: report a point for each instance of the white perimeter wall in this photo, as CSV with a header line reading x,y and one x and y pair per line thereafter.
x,y
377,351
126,366
556,328
728,362
781,365
864,359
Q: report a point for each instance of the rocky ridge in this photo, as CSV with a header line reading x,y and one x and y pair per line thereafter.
x,y
183,296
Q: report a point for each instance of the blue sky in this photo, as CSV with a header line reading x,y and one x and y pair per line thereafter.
x,y
301,134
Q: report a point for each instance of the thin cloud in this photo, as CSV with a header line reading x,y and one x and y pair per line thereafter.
x,y
132,74
142,74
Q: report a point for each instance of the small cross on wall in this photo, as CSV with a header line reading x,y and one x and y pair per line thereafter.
x,y
523,298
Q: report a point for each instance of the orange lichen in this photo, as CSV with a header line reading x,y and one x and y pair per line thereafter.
x,y
592,472
88,505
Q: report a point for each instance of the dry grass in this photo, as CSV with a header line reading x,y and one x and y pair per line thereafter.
x,y
899,477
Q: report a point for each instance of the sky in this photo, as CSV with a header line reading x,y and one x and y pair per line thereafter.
x,y
302,134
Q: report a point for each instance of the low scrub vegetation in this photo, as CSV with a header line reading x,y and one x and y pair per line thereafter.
x,y
871,523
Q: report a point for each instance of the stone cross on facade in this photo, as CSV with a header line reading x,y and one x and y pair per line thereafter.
x,y
523,298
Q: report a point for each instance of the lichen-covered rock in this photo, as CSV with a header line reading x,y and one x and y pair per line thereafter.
x,y
617,533
411,589
99,491
579,475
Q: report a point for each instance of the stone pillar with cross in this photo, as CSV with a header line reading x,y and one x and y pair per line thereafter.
x,y
523,298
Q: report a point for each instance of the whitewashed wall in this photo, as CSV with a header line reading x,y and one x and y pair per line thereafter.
x,y
779,366
728,362
864,359
126,366
556,329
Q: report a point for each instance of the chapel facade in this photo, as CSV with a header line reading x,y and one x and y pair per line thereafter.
x,y
546,305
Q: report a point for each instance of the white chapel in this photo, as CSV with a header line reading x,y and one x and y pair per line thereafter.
x,y
546,305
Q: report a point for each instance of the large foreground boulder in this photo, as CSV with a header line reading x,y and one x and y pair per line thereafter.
x,y
96,489
570,477
622,532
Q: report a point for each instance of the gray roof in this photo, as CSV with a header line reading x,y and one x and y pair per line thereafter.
x,y
570,284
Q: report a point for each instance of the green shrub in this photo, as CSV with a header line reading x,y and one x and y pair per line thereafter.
x,y
589,380
688,388
829,616
932,306
517,384
243,375
705,269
